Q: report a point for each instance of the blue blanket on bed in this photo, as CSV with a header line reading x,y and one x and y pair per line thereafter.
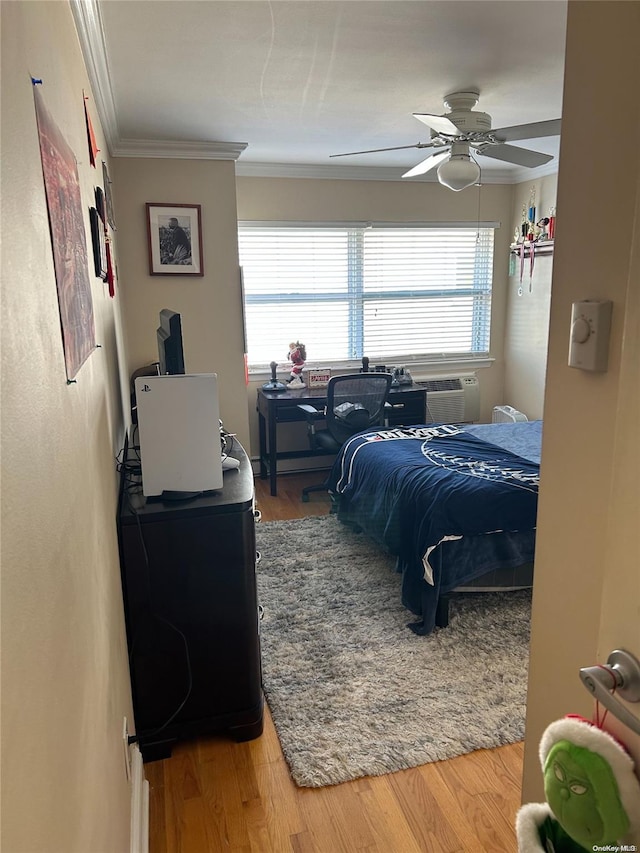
x,y
414,488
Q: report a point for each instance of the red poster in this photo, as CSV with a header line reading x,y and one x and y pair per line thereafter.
x,y
91,137
68,241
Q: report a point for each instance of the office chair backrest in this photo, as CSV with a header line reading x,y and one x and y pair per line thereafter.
x,y
355,403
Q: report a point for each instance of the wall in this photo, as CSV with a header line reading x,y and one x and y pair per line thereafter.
x,y
314,200
65,682
211,305
527,327
587,588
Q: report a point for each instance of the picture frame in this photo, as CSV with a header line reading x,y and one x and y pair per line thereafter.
x,y
99,244
174,233
318,377
110,218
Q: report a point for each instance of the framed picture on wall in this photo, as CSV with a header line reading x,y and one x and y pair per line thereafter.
x,y
99,244
175,239
106,180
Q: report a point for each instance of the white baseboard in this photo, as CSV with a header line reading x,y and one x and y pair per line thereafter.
x,y
139,804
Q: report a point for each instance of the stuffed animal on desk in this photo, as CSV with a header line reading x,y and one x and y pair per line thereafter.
x,y
297,357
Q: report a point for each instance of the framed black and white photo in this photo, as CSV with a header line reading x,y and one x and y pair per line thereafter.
x,y
175,239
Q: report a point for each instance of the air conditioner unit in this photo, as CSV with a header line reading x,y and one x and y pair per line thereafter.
x,y
452,399
507,415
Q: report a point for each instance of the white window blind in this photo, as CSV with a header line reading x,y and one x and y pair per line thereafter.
x,y
402,293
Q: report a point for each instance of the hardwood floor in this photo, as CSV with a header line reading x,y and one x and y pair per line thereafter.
x,y
216,795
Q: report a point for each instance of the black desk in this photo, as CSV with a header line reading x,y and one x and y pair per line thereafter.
x,y
408,406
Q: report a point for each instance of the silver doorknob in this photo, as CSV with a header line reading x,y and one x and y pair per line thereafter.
x,y
620,674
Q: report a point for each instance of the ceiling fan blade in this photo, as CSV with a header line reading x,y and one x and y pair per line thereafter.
x,y
529,131
426,165
441,124
395,148
513,154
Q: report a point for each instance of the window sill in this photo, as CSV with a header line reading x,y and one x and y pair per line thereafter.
x,y
418,369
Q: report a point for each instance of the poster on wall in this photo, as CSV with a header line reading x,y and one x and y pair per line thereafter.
x,y
91,136
68,240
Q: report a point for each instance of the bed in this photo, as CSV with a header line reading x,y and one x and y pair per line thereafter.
x,y
455,504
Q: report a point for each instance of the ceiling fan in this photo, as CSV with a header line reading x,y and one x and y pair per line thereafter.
x,y
463,130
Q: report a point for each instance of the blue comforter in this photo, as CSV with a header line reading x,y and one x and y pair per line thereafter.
x,y
416,489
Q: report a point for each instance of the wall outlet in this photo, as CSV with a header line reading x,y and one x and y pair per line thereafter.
x,y
125,747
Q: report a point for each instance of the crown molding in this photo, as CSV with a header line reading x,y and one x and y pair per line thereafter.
x,y
328,172
86,14
356,173
522,175
88,21
178,150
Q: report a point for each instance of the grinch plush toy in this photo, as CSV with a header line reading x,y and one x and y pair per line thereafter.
x,y
592,792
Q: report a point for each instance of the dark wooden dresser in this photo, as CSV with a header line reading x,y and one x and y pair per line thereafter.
x,y
189,588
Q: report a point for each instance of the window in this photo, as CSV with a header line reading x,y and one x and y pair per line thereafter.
x,y
400,294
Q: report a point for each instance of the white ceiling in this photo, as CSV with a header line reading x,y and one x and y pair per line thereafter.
x,y
299,80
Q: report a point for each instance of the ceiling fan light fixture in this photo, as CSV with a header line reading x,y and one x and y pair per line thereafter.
x,y
459,172
464,128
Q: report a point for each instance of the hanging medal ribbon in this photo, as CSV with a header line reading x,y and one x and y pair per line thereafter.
x,y
532,250
111,279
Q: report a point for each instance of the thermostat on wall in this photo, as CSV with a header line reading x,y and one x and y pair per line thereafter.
x,y
589,341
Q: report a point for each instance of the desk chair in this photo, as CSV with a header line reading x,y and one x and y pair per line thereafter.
x,y
354,403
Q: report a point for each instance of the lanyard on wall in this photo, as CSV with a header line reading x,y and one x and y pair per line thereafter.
x,y
532,256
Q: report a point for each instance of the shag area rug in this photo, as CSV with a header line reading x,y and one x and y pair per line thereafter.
x,y
352,690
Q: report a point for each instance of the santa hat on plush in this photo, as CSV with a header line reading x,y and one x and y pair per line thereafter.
x,y
593,794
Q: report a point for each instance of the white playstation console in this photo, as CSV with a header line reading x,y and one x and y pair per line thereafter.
x,y
179,432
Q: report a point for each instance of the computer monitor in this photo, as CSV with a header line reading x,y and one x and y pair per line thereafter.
x,y
170,351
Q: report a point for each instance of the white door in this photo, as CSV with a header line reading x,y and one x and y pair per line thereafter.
x,y
620,616
586,598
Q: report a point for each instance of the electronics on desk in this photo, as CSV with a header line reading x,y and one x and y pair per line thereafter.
x,y
273,384
170,348
180,446
227,440
170,354
229,463
145,370
401,375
